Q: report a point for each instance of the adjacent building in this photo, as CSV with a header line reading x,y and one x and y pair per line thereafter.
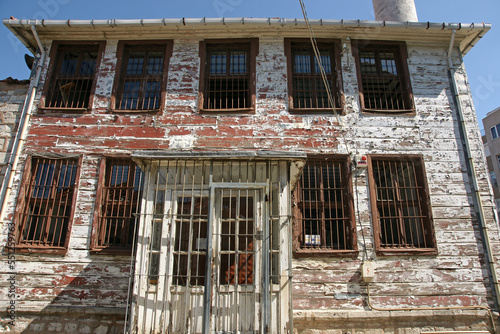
x,y
491,124
233,176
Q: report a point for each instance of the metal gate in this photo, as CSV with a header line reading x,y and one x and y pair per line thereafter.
x,y
212,248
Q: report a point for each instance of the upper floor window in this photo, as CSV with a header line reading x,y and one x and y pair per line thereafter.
x,y
72,76
383,77
227,82
120,184
46,204
324,220
495,131
306,85
141,75
400,204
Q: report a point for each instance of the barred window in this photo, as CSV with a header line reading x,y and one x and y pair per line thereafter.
x,y
324,212
383,77
400,205
46,204
228,76
118,203
307,89
71,83
141,83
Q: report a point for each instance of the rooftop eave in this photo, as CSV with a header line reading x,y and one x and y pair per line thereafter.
x,y
468,34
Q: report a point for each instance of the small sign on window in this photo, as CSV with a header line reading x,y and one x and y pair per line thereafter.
x,y
201,243
313,240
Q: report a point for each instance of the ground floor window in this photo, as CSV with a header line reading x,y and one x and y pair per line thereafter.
x,y
46,204
323,212
400,205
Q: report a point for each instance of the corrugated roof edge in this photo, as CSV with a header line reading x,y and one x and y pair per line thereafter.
x,y
475,30
244,20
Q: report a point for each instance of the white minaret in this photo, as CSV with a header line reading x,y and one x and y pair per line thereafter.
x,y
395,10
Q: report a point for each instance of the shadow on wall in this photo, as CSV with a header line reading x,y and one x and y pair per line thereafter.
x,y
71,296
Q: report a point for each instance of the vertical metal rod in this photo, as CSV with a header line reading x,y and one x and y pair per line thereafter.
x,y
265,262
207,300
290,239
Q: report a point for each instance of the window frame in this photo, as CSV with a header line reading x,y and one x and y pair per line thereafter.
x,y
351,245
495,131
424,199
54,65
251,44
120,68
334,46
100,202
401,65
22,203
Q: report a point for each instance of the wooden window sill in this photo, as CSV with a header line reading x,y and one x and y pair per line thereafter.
x,y
339,111
64,109
112,251
403,112
228,111
325,253
406,251
41,250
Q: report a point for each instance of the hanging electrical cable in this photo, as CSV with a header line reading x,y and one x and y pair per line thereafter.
x,y
314,44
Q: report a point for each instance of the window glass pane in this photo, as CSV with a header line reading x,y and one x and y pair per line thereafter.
x,y
325,62
155,63
69,63
498,129
388,63
88,63
367,59
238,62
218,62
135,63
494,133
302,62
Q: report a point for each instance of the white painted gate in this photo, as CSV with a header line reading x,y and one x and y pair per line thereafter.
x,y
212,249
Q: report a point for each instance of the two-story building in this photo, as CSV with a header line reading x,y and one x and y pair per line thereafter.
x,y
248,176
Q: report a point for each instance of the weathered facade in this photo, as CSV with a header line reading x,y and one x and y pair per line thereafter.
x,y
270,212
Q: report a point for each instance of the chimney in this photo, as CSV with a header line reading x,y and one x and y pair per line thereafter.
x,y
395,10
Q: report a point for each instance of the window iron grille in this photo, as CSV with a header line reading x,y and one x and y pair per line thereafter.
x,y
119,205
227,77
45,213
383,77
307,86
324,208
141,79
401,204
73,76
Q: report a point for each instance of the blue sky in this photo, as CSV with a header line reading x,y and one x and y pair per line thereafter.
x,y
482,62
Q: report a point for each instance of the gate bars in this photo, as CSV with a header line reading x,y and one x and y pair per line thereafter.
x,y
171,292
